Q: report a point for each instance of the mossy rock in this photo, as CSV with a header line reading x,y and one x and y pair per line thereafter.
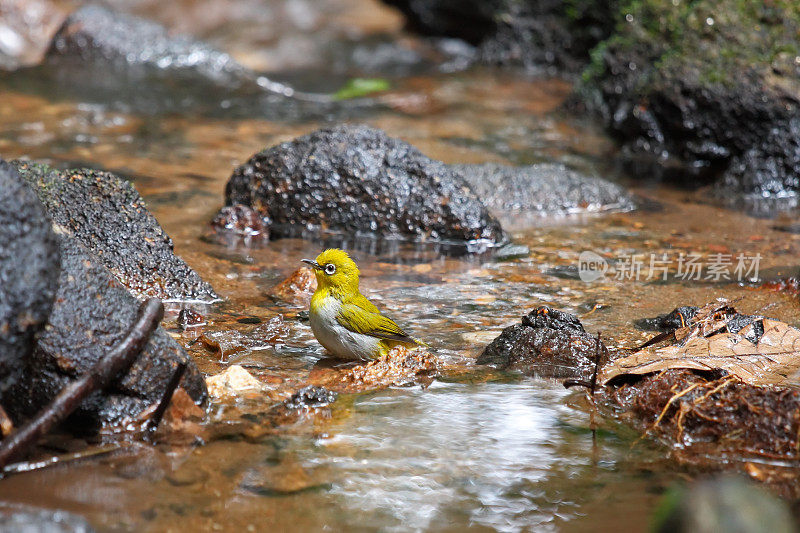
x,y
704,92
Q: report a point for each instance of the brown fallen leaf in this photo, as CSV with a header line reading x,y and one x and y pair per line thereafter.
x,y
706,344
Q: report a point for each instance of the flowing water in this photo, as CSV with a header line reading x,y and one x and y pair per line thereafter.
x,y
473,449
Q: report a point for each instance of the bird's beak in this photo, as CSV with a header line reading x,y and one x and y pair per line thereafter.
x,y
313,263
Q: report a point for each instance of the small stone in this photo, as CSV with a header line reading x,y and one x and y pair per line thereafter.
x,y
241,221
548,343
188,318
298,287
233,382
311,397
512,251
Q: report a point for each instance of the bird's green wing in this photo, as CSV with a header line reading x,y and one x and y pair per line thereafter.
x,y
360,316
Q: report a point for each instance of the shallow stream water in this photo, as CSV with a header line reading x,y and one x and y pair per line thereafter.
x,y
474,449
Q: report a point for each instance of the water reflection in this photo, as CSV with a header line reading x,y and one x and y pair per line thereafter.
x,y
480,451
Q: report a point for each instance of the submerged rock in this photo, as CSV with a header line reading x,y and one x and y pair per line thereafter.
x,y
105,213
529,33
29,265
520,195
704,92
356,180
92,312
548,343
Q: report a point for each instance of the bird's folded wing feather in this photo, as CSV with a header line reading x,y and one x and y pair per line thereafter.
x,y
363,317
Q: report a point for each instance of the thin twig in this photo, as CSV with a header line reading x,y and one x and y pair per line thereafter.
x,y
18,468
119,358
158,414
597,357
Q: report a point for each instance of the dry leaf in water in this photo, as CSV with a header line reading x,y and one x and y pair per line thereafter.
x,y
773,359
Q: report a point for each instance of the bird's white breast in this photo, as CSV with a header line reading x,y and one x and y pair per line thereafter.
x,y
337,339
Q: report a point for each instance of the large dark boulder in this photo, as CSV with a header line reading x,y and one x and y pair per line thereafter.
x,y
518,196
529,33
705,91
105,213
353,179
547,343
92,312
29,265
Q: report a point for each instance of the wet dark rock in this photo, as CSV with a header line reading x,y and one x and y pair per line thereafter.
x,y
705,92
311,397
241,222
92,312
729,319
356,180
677,318
546,317
188,318
525,33
105,213
29,265
43,521
548,343
725,503
519,196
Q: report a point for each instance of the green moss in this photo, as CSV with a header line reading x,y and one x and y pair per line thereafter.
x,y
718,39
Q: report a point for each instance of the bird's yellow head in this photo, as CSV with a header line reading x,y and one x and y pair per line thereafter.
x,y
335,271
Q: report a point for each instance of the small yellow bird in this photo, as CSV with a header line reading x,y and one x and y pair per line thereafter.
x,y
342,319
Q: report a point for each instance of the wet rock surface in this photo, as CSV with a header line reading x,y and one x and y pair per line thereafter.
x,y
29,266
705,92
105,214
298,288
677,318
529,33
547,343
241,223
311,397
92,312
517,195
356,180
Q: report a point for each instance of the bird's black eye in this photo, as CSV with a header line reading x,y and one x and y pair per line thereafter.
x,y
330,269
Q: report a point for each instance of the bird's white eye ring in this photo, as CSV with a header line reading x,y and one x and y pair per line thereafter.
x,y
330,269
